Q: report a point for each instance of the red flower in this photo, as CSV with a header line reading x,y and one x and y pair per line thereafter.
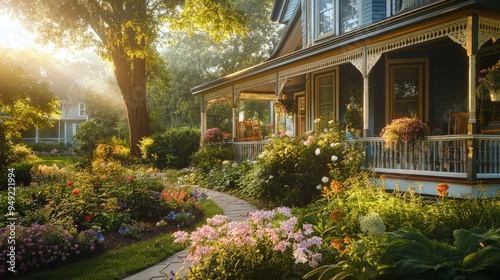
x,y
442,189
70,183
87,218
129,179
75,191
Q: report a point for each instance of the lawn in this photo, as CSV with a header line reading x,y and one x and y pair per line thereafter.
x,y
58,160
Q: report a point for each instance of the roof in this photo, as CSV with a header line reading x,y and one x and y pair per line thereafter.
x,y
348,40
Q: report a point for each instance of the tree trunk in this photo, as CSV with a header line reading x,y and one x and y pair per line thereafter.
x,y
131,77
138,123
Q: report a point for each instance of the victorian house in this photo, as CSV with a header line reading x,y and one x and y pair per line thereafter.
x,y
419,58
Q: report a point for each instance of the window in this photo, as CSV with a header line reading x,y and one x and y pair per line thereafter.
x,y
326,88
349,15
81,109
325,17
407,89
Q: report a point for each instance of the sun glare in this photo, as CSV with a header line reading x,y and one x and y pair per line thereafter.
x,y
13,35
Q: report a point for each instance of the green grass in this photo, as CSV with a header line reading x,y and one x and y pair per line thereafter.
x,y
125,261
58,160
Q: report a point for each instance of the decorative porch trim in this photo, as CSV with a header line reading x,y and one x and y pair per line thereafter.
x,y
218,94
488,29
355,57
456,30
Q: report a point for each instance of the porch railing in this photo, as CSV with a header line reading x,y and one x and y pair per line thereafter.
x,y
457,156
248,150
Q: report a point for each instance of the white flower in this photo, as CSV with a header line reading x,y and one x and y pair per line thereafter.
x,y
325,179
270,177
333,145
372,224
317,120
300,256
334,158
226,162
318,187
318,151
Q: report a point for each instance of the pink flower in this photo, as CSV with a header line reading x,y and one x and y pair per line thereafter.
x,y
129,179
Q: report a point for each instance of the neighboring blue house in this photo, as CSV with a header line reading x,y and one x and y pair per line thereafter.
x,y
73,114
405,57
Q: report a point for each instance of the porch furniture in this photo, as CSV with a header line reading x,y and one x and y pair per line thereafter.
x,y
249,131
456,151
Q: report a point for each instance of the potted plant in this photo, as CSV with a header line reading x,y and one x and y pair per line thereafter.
x,y
404,130
285,105
490,82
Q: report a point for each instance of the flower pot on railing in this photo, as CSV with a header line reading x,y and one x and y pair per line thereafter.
x,y
495,94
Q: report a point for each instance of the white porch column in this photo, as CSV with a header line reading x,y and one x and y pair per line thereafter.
x,y
234,109
366,95
36,135
203,116
472,93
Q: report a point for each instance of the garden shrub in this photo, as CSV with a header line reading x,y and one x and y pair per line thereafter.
x,y
112,152
269,245
209,156
172,148
290,171
225,176
51,149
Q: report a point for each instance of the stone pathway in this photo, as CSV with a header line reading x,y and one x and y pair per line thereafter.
x,y
236,209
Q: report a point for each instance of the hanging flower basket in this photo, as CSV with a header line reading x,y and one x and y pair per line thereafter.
x,y
285,106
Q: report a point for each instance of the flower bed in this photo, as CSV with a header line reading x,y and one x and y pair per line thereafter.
x,y
67,212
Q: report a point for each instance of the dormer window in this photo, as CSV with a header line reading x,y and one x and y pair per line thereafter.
x,y
325,17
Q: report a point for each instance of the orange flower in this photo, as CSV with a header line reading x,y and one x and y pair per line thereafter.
x,y
442,189
336,187
337,244
347,240
335,216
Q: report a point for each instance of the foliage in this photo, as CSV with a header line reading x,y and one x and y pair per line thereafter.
x,y
45,245
172,148
490,79
224,176
89,135
126,34
404,130
209,156
112,152
285,105
269,245
25,101
212,136
291,171
353,117
474,255
44,149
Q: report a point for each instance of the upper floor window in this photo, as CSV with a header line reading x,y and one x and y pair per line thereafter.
x,y
325,17
349,15
81,109
337,16
398,6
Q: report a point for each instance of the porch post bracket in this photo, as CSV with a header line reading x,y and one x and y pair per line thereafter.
x,y
489,29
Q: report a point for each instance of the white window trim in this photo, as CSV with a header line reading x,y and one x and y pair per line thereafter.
x,y
80,109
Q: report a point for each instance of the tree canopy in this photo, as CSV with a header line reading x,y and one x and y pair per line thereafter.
x,y
126,33
24,101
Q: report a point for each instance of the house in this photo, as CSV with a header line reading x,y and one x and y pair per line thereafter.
x,y
73,114
417,58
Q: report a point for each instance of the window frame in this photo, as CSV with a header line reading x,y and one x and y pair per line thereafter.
x,y
424,81
317,13
334,72
81,109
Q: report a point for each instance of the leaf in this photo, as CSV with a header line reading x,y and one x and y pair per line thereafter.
x,y
489,256
467,241
327,271
412,266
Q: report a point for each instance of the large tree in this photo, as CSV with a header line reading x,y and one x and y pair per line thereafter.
x,y
125,32
175,105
